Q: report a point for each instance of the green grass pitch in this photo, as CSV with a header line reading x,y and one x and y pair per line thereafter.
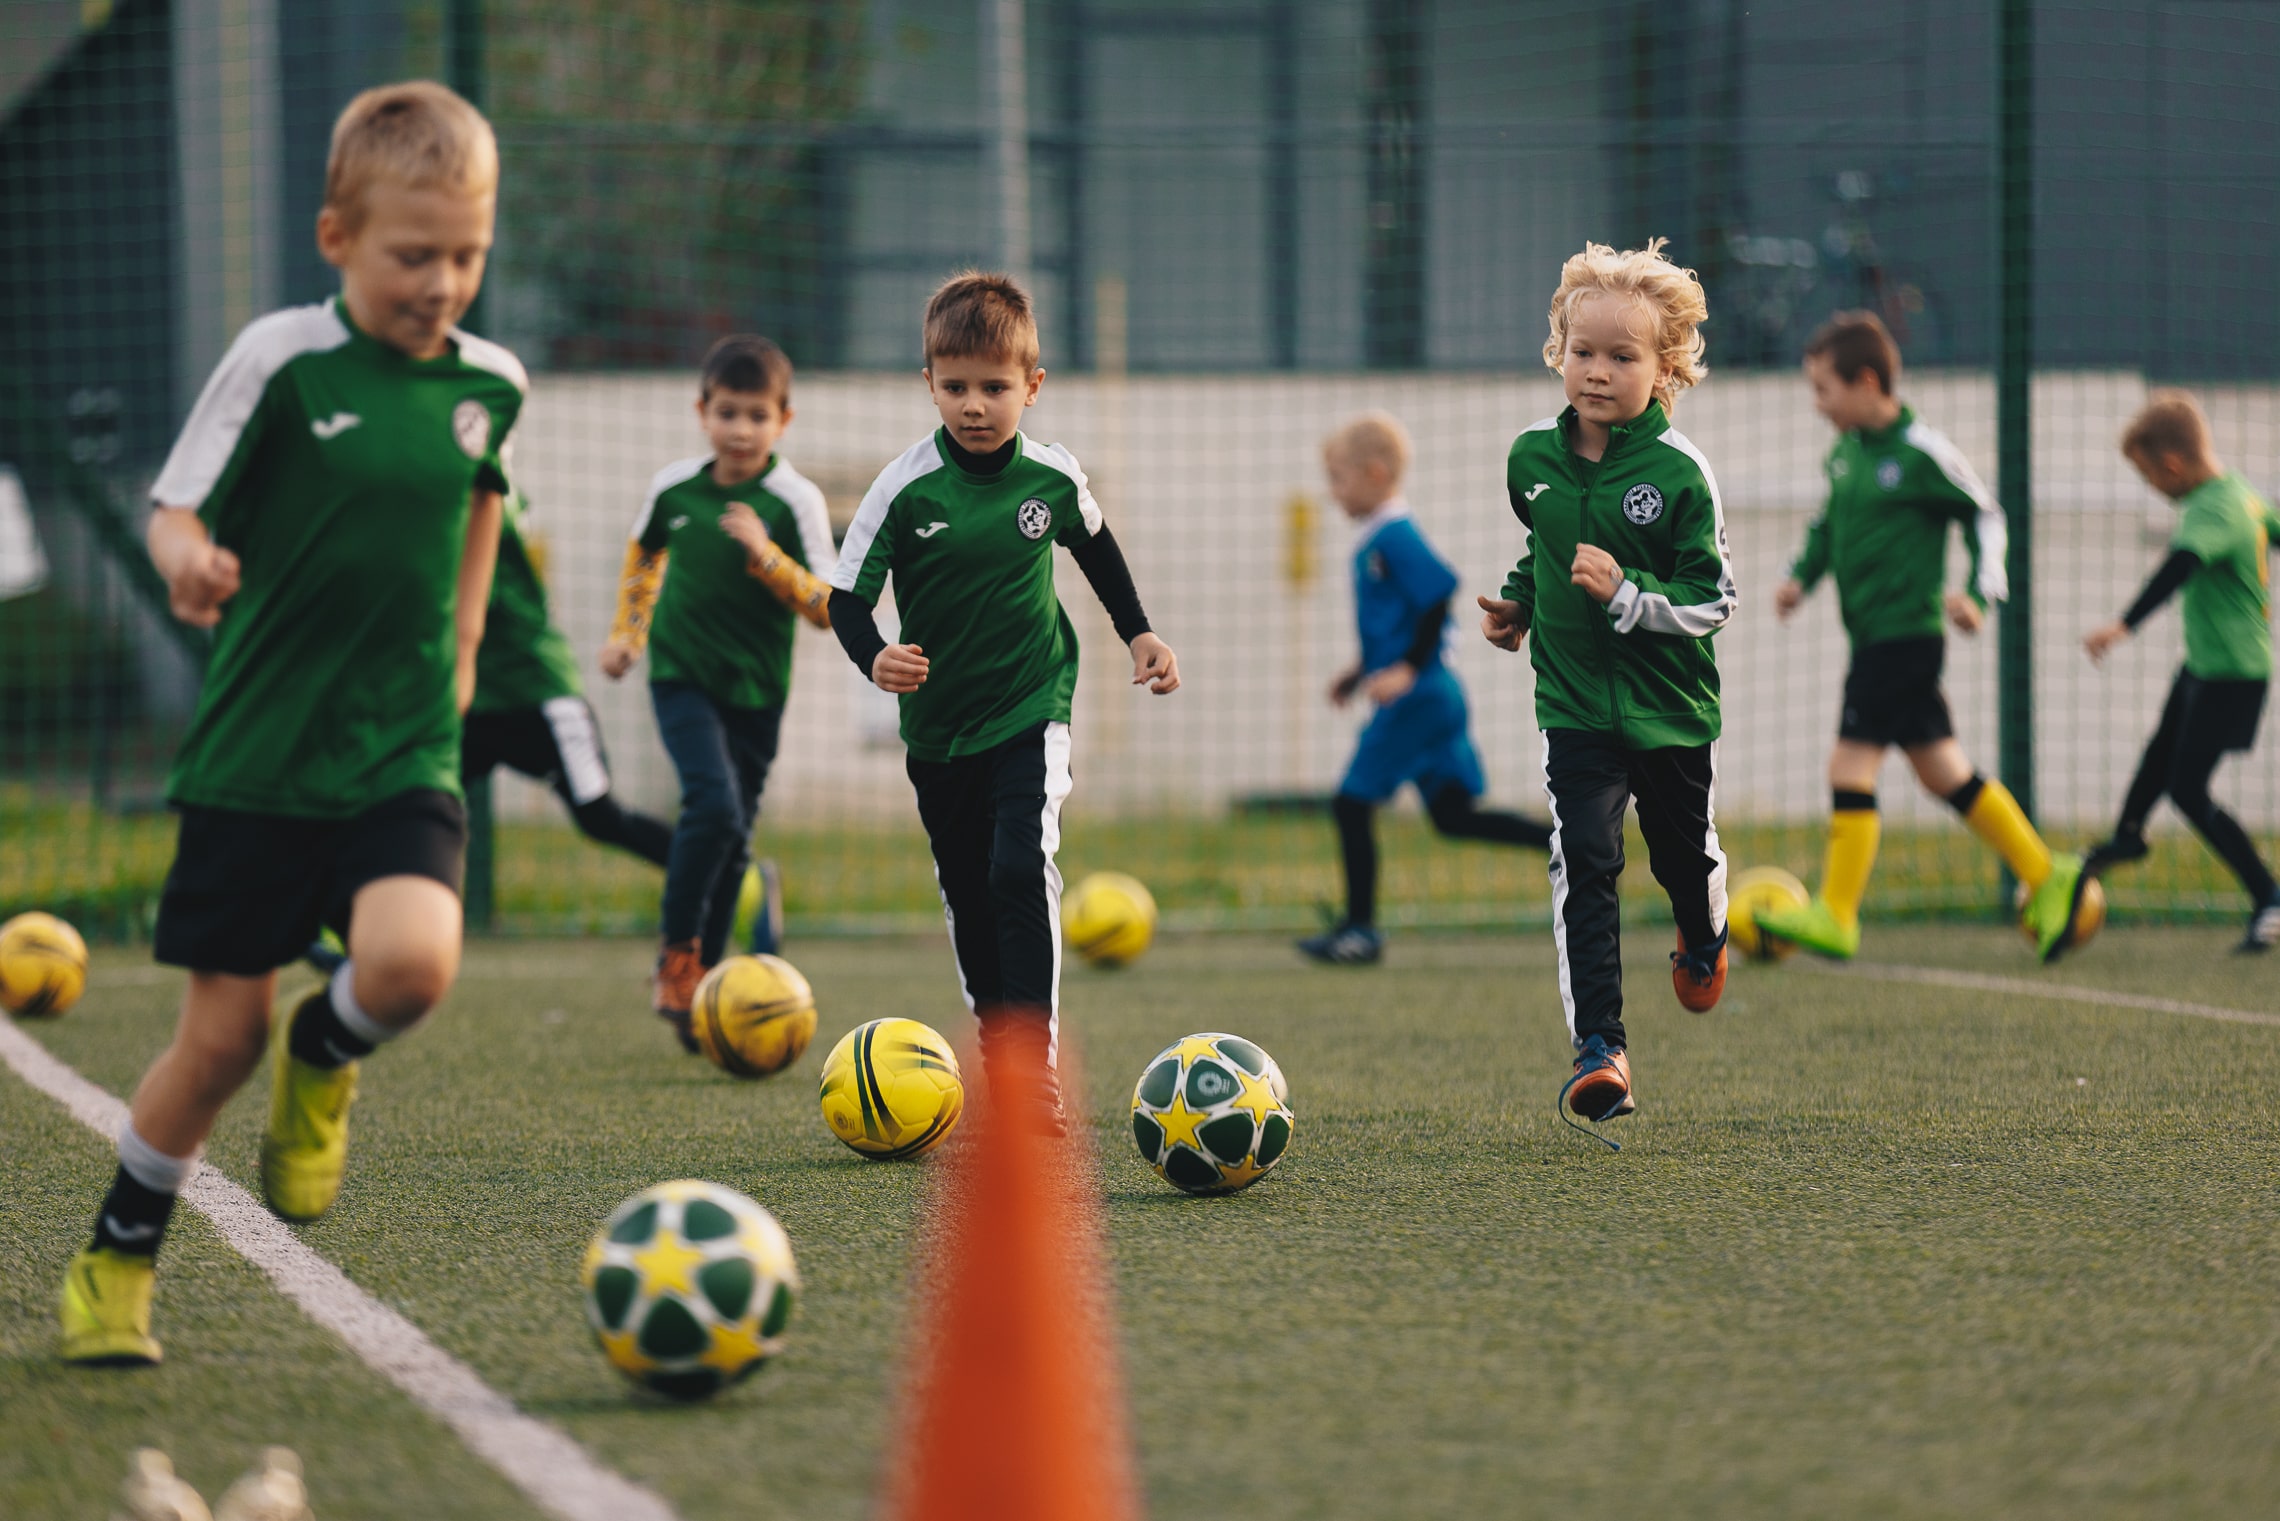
x,y
1871,1250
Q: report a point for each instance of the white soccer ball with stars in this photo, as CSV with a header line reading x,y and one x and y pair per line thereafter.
x,y
1211,1113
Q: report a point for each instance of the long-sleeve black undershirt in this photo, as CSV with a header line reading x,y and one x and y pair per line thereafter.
x,y
1426,642
2174,572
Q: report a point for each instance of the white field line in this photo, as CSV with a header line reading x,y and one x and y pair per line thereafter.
x,y
538,1459
2059,992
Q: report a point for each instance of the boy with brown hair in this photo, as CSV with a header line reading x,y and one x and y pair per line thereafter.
x,y
1895,484
331,511
986,661
2219,558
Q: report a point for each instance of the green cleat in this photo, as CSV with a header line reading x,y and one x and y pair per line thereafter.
x,y
106,1309
305,1150
2050,914
1815,927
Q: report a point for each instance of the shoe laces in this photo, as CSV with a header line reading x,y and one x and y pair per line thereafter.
x,y
1702,966
1596,1057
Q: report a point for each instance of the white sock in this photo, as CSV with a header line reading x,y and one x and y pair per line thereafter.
x,y
149,1166
353,1018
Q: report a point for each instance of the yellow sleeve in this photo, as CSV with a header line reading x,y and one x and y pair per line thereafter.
x,y
638,585
794,585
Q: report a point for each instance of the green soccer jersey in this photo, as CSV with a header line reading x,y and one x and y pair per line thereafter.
x,y
717,628
1884,528
524,661
339,471
972,561
2228,601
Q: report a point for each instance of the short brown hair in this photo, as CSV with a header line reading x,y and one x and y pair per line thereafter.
x,y
1373,435
1855,341
978,315
748,362
2170,422
417,133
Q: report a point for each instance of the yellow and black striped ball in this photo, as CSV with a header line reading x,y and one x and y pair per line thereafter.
x,y
1211,1114
753,1016
43,965
891,1089
1753,892
1109,917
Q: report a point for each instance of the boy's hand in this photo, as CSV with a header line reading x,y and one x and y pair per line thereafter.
x,y
1788,597
1342,690
2103,638
617,659
1500,622
1154,666
1596,572
1391,684
742,524
899,668
1964,613
203,578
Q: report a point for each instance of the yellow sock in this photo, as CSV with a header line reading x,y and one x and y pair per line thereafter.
x,y
1854,830
1995,816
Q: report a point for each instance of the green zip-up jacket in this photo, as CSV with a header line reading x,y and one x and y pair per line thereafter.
x,y
1883,531
1640,669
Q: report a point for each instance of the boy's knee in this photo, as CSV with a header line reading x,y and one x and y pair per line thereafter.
x,y
222,1054
400,984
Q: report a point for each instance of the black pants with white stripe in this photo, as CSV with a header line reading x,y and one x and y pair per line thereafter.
x,y
994,821
560,744
1592,779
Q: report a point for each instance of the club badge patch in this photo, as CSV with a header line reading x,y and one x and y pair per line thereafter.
x,y
1888,475
471,425
1642,504
1035,518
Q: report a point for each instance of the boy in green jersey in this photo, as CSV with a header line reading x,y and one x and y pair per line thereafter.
x,y
331,511
986,662
718,573
1895,484
1624,582
2220,558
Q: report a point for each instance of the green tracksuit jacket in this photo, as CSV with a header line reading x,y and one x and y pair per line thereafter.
x,y
1639,669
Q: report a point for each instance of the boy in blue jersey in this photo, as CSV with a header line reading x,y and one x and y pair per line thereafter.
x,y
1419,734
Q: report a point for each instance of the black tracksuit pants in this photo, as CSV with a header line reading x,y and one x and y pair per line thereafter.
x,y
560,743
994,822
2200,723
1592,778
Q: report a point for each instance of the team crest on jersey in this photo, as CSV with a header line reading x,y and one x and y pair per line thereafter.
x,y
1373,565
1888,475
1642,504
1035,518
471,425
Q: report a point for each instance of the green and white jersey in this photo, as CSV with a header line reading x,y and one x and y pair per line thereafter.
x,y
972,561
1883,530
339,471
717,627
524,660
2228,601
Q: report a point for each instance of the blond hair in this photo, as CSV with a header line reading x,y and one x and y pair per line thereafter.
x,y
1640,277
978,315
1372,436
2170,422
417,134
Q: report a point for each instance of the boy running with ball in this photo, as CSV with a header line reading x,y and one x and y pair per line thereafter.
x,y
1895,484
1625,580
2220,560
331,511
986,662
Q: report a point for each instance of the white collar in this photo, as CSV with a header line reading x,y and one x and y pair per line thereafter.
x,y
1394,506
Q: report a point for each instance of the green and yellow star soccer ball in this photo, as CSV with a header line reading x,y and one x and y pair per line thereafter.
x,y
689,1287
1110,918
1211,1114
891,1089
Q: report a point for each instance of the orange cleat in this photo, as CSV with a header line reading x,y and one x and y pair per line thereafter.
x,y
1698,977
680,967
1601,1086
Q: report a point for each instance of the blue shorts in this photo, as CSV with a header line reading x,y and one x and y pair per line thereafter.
x,y
1422,739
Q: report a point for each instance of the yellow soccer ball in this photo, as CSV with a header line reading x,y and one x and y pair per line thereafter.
x,y
753,1016
43,965
1110,918
1751,893
689,1287
891,1089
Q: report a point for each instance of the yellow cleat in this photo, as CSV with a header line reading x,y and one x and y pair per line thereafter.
x,y
106,1309
305,1150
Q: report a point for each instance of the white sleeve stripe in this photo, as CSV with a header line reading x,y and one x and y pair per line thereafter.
x,y
809,511
920,459
1989,526
500,360
663,481
1062,460
1656,612
210,435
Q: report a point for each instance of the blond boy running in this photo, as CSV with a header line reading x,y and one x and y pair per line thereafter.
x,y
331,511
1895,484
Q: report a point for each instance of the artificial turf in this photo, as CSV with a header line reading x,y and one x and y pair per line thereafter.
x,y
1870,1249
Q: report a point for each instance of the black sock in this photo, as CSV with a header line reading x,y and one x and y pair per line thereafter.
x,y
1357,842
133,1217
320,1039
1964,796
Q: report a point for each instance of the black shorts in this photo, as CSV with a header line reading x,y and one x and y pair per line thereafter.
x,y
1893,696
2216,716
248,891
557,742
